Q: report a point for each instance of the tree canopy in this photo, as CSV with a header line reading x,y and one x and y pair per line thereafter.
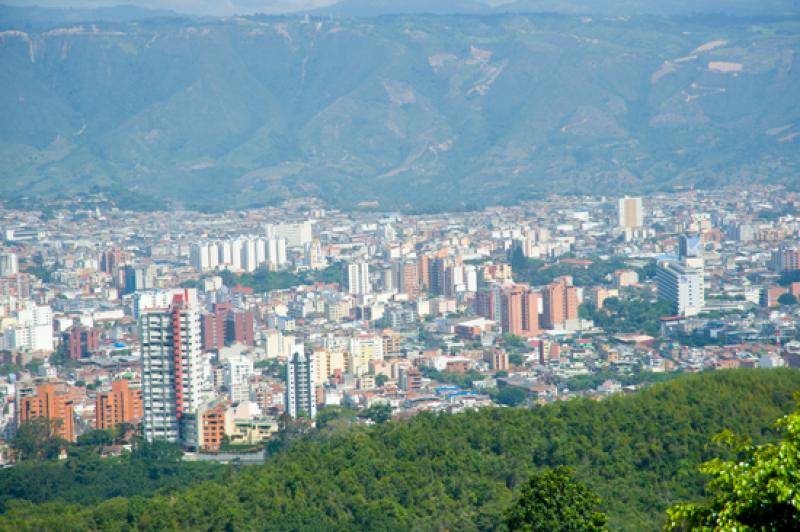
x,y
757,490
554,501
430,472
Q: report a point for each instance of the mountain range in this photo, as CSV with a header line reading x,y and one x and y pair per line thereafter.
x,y
410,111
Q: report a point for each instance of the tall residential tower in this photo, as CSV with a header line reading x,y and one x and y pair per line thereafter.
x,y
171,365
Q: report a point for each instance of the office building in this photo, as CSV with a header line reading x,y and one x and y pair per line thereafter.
x,y
682,285
171,365
300,393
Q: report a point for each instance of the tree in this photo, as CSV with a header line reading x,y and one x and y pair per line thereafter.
x,y
95,438
380,380
519,262
37,439
512,341
378,413
758,490
511,396
335,415
554,501
787,299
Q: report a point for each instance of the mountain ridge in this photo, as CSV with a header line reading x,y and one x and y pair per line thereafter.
x,y
411,111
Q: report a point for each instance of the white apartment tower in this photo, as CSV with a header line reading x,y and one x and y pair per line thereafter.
x,y
172,368
356,278
300,393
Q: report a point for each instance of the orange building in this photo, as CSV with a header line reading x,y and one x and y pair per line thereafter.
x,y
50,403
408,279
121,405
213,426
423,271
519,308
560,303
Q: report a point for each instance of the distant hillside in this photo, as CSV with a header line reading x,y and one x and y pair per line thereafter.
x,y
413,111
458,472
26,18
362,8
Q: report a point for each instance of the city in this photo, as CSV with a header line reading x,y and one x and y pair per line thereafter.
x,y
219,332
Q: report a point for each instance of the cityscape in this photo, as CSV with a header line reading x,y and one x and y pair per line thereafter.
x,y
399,265
212,331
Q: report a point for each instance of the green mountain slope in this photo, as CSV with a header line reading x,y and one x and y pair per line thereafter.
x,y
412,111
458,472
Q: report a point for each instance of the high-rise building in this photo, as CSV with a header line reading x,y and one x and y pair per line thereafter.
x,y
423,271
113,259
356,278
690,246
238,370
520,311
9,264
200,254
488,301
682,285
300,393
437,280
32,332
122,404
296,235
47,401
171,365
139,278
630,213
786,259
81,341
227,325
560,304
312,255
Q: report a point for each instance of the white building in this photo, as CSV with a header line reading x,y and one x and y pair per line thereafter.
x,y
238,370
363,349
33,330
682,285
300,393
296,235
356,278
171,369
9,264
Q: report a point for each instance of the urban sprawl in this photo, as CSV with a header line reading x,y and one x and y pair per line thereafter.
x,y
219,331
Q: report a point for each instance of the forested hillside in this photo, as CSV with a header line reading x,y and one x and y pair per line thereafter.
x,y
459,472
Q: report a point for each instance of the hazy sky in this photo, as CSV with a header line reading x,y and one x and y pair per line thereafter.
x,y
200,7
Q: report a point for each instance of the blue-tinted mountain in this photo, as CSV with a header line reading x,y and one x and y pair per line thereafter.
x,y
416,111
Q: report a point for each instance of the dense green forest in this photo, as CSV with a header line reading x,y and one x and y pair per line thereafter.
x,y
86,478
639,453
